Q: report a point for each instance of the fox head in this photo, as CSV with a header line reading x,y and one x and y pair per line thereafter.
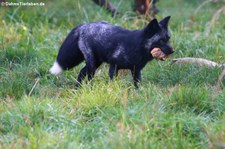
x,y
158,36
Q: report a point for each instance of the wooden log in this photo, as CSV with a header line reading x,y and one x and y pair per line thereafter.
x,y
198,61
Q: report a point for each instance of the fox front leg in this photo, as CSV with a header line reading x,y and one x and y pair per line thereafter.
x,y
113,70
136,77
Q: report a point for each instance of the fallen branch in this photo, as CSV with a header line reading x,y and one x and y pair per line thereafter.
x,y
34,86
198,61
203,62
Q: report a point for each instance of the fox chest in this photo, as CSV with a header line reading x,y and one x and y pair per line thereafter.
x,y
127,59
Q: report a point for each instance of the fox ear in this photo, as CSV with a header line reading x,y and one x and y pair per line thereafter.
x,y
152,27
164,22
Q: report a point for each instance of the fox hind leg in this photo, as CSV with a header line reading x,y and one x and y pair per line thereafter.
x,y
85,72
91,67
136,77
81,76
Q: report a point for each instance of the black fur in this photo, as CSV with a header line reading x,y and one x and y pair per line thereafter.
x,y
100,42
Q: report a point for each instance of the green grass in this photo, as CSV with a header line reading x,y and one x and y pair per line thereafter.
x,y
176,106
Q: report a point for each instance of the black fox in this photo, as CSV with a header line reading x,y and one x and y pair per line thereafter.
x,y
100,42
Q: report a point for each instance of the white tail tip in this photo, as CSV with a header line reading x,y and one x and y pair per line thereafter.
x,y
55,69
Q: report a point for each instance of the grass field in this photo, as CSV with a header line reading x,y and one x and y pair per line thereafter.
x,y
176,106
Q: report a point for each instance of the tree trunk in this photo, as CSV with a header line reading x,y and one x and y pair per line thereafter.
x,y
146,7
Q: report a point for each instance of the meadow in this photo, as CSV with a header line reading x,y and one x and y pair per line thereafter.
x,y
176,106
